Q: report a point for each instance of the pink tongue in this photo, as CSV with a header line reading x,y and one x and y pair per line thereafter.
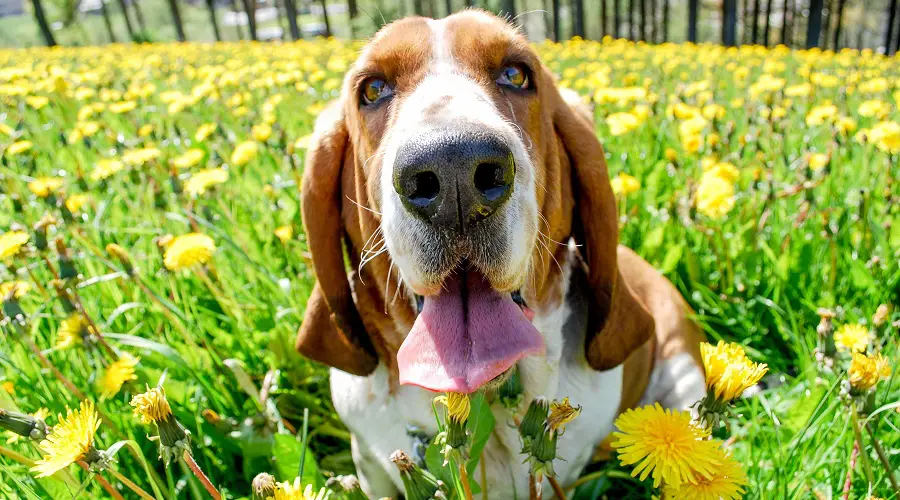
x,y
466,336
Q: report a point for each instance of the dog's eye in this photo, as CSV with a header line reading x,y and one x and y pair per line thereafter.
x,y
515,76
374,90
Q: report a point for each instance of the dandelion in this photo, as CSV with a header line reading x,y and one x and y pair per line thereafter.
x,y
729,372
70,441
852,337
205,179
145,130
19,147
117,375
723,170
138,157
37,101
11,243
867,370
189,250
715,197
190,158
665,445
419,484
726,483
821,114
244,152
296,491
204,131
72,331
284,233
621,123
303,142
122,107
561,413
881,315
458,405
152,408
624,184
817,161
886,136
261,132
43,187
263,486
76,201
104,169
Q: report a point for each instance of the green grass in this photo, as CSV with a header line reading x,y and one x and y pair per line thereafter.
x,y
796,240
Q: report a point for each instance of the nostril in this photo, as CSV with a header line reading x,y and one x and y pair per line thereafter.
x,y
491,180
423,188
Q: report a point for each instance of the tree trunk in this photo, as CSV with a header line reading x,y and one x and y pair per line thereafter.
x,y
896,41
41,19
448,6
745,23
665,21
693,14
787,19
768,22
237,26
604,19
556,9
643,25
617,21
128,25
756,21
729,23
632,32
814,28
211,6
860,38
654,27
889,37
139,14
250,9
839,21
417,7
825,35
106,20
578,18
290,8
328,22
176,20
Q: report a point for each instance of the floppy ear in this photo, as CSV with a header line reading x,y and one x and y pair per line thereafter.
x,y
332,331
618,324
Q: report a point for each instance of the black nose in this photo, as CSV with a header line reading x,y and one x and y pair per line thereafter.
x,y
454,179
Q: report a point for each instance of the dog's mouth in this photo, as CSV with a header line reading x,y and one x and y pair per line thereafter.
x,y
467,335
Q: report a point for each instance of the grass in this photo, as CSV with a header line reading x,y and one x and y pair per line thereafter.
x,y
796,240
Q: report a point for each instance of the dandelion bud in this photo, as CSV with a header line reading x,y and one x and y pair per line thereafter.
x,y
263,486
542,453
532,425
881,315
511,391
153,408
419,484
65,298
347,487
561,413
40,231
122,256
29,426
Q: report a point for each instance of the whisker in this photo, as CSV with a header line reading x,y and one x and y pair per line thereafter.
x,y
363,206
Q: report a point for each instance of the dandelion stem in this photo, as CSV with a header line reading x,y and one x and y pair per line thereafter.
x,y
884,461
50,366
464,479
557,489
867,467
103,482
534,491
848,482
189,459
16,456
130,485
597,475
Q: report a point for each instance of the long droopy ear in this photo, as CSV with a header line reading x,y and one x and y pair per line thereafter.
x,y
618,324
332,331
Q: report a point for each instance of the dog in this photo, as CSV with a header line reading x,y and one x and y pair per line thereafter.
x,y
473,202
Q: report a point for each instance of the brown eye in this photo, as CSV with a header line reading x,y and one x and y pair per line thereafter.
x,y
515,76
374,90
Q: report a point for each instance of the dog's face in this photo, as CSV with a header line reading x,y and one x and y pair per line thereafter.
x,y
468,162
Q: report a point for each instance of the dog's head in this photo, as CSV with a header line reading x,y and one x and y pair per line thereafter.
x,y
452,158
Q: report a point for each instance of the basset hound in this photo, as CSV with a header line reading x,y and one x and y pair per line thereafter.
x,y
473,203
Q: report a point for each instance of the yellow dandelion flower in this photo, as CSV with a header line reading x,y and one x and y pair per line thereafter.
x,y
624,184
729,372
621,123
76,201
20,287
303,142
204,131
37,101
561,413
845,125
11,243
458,405
205,179
138,157
691,143
715,196
671,155
244,152
103,169
189,250
9,387
117,375
145,130
817,161
151,406
886,136
726,483
261,132
821,114
71,332
666,445
18,148
866,371
852,337
284,233
6,130
43,187
723,170
40,414
189,158
296,491
873,108
71,440
122,107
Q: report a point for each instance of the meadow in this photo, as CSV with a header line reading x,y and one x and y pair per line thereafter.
x,y
151,236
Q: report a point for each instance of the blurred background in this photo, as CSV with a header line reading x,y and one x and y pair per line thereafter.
x,y
828,24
